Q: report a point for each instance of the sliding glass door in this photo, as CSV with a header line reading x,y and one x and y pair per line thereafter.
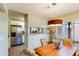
x,y
62,31
76,31
68,30
65,31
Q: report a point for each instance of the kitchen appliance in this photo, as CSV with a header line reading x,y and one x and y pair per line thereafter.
x,y
16,35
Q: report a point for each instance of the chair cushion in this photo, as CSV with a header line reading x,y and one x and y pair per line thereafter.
x,y
67,42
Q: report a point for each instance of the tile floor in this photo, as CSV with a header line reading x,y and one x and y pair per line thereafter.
x,y
17,50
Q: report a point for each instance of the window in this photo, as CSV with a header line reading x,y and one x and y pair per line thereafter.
x,y
68,31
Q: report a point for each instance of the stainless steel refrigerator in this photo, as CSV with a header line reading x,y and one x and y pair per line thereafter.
x,y
16,35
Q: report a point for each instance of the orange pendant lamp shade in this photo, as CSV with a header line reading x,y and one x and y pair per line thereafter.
x,y
56,22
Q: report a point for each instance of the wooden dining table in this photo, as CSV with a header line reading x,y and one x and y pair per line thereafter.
x,y
63,51
66,51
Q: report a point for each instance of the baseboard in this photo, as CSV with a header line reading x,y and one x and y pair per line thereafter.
x,y
17,44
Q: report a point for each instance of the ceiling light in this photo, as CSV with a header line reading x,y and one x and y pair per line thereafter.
x,y
57,22
53,4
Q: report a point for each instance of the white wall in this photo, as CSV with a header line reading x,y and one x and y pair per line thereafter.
x,y
3,33
14,16
36,21
70,17
14,22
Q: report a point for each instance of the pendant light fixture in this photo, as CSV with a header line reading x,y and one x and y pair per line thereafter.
x,y
56,22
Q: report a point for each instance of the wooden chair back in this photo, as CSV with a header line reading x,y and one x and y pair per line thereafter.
x,y
43,42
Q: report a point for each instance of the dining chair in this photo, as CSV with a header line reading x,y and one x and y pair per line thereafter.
x,y
44,42
76,53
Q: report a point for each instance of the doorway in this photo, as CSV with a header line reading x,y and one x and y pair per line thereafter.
x,y
18,38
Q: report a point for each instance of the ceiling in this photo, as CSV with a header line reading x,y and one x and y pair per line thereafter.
x,y
42,9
